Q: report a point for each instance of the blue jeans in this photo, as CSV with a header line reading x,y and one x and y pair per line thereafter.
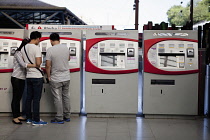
x,y
34,93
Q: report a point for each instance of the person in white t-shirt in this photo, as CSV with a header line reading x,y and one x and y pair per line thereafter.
x,y
32,54
57,68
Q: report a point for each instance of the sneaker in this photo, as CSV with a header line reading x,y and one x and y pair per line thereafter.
x,y
56,121
66,119
39,123
28,121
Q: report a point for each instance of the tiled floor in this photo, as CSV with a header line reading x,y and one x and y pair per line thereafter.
x,y
82,128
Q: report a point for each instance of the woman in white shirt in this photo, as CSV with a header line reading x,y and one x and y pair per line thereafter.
x,y
18,82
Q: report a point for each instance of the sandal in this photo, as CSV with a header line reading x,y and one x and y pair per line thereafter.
x,y
15,122
22,119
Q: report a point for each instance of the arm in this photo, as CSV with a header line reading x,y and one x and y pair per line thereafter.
x,y
48,68
31,65
69,57
38,61
38,57
21,61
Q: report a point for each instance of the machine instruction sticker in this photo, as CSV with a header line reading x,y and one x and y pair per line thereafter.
x,y
152,55
93,54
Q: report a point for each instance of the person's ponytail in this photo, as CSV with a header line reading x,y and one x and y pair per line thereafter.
x,y
24,42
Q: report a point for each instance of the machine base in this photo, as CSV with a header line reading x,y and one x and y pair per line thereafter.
x,y
190,117
93,115
9,114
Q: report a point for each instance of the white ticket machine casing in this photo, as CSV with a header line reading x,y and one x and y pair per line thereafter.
x,y
170,72
72,39
10,40
111,72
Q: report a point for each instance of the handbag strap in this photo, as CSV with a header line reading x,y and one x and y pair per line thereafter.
x,y
31,62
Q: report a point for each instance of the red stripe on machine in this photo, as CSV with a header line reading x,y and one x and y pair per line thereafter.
x,y
71,70
11,70
12,38
65,38
6,70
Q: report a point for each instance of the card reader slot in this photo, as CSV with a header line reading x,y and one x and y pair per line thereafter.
x,y
171,54
102,53
162,82
103,81
4,52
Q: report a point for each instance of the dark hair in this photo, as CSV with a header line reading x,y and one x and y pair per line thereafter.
x,y
35,35
24,42
55,37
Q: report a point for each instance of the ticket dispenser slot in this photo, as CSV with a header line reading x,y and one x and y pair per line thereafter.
x,y
12,50
130,52
190,52
72,51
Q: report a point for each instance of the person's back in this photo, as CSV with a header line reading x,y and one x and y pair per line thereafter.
x,y
57,68
59,56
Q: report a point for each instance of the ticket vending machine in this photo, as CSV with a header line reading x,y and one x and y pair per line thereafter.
x,y
10,40
72,38
170,72
111,72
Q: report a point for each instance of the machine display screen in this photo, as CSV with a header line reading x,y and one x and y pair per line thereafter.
x,y
109,60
